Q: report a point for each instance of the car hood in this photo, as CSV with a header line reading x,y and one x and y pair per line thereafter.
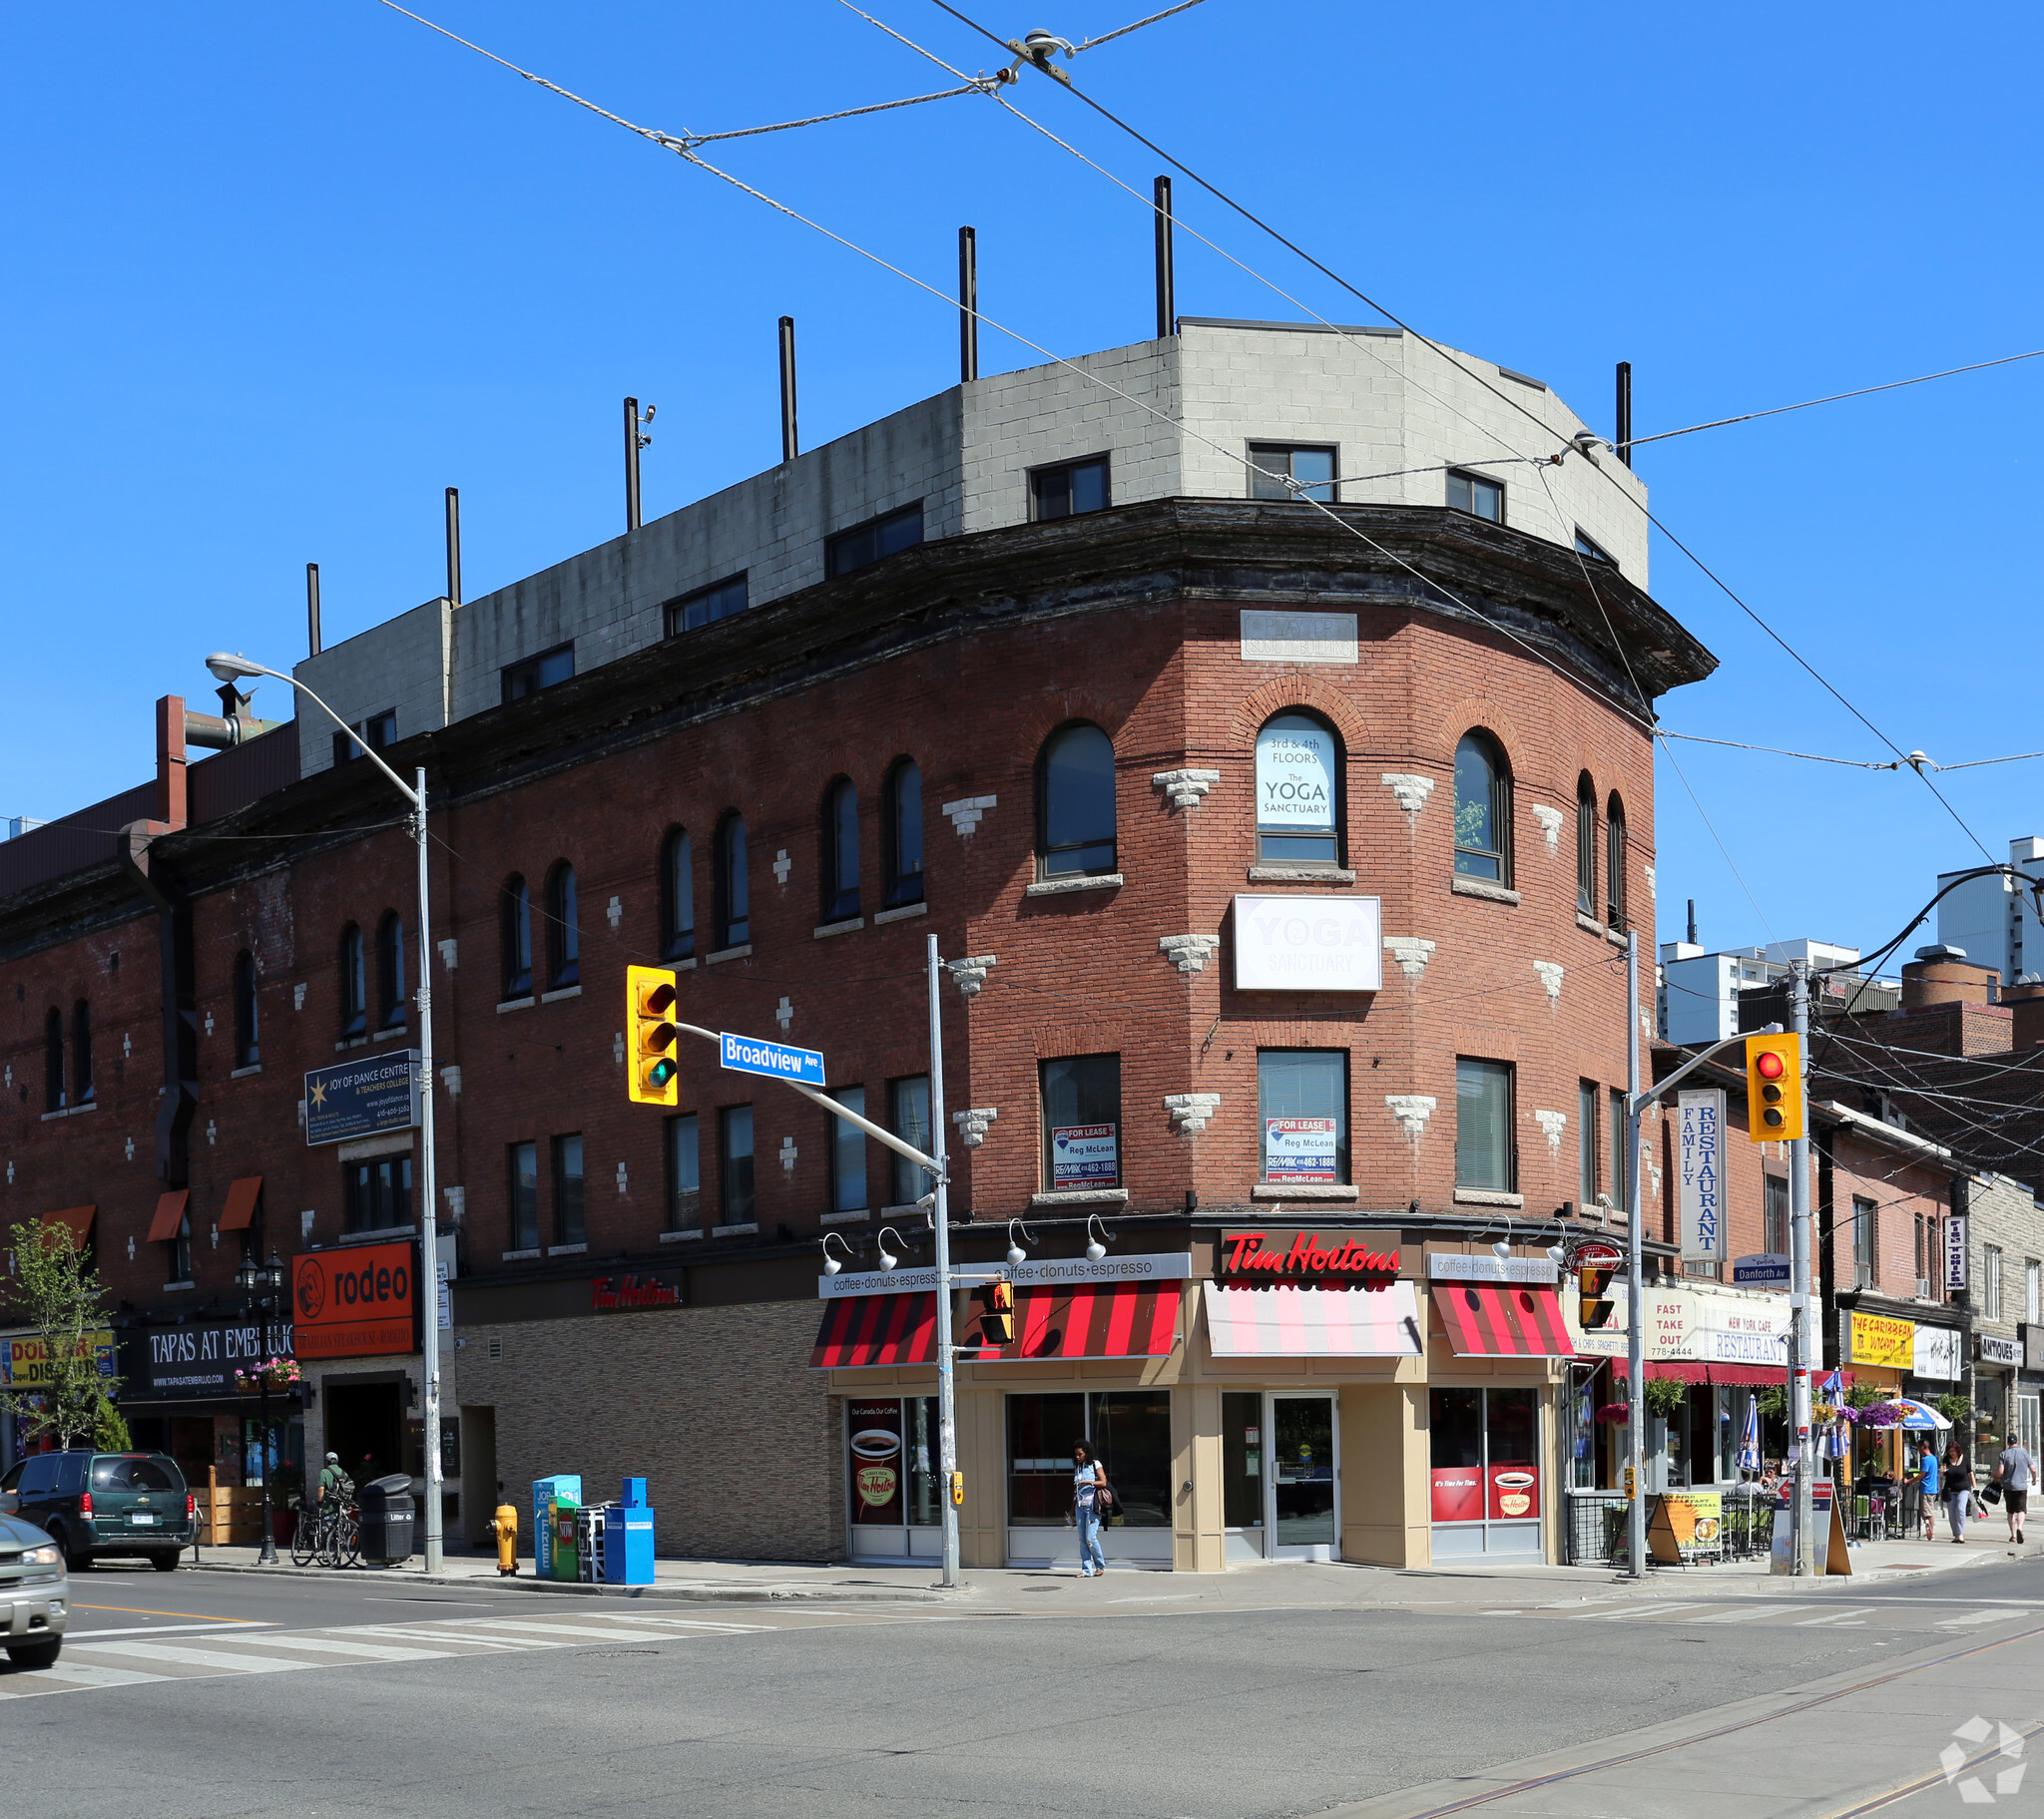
x,y
17,1533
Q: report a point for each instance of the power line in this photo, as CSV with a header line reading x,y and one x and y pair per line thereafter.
x,y
1864,391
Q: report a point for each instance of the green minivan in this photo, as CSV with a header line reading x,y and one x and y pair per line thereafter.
x,y
96,1505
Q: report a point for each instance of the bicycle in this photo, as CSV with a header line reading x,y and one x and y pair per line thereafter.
x,y
328,1534
305,1536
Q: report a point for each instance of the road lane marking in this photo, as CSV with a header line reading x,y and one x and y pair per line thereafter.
x,y
197,1657
144,1610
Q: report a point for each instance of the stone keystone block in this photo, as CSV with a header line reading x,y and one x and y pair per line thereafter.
x,y
965,813
1185,787
1188,952
970,973
1191,1111
972,1124
1411,1109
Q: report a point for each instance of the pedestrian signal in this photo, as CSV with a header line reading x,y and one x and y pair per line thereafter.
x,y
1774,1088
997,1316
649,1018
1592,1279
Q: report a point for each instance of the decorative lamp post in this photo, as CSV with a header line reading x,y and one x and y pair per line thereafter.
x,y
261,1283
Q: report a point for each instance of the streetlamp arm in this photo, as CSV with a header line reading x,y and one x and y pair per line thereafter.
x,y
1647,1095
361,746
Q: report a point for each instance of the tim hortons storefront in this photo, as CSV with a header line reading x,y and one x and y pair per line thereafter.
x,y
1264,1393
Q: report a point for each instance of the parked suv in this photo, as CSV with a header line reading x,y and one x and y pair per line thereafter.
x,y
34,1595
99,1504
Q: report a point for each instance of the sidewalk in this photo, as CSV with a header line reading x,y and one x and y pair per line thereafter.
x,y
1283,1584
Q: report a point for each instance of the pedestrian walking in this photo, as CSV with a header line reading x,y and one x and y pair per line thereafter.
x,y
1087,1481
1926,1484
1957,1479
2015,1471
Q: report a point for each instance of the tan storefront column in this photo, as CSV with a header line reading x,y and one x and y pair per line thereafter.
x,y
1384,1474
1196,1543
982,1457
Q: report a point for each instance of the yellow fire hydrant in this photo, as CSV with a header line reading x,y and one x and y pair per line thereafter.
x,y
504,1526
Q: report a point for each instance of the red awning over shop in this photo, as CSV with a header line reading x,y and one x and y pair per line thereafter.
x,y
170,1214
876,1329
76,1220
1102,1320
1502,1319
243,1199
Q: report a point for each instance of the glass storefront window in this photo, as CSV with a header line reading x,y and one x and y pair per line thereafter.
x,y
892,1443
1486,1491
1241,1459
1130,1432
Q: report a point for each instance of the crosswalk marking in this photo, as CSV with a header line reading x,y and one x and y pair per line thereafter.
x,y
621,1632
1632,1610
372,1651
1976,1617
1747,1617
192,1657
89,1675
497,1643
1844,1619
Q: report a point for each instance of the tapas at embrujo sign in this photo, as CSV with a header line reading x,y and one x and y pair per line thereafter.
x,y
1275,1256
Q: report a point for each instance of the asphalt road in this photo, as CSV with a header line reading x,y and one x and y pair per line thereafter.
x,y
222,1695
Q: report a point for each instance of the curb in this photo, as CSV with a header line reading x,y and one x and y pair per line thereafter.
x,y
688,1595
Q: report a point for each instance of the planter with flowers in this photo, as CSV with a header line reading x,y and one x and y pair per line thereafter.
x,y
270,1373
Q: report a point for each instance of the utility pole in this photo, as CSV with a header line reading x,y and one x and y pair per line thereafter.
x,y
1635,1274
1799,1325
940,1216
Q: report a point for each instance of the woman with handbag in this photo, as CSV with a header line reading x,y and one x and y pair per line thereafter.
x,y
1958,1481
1089,1486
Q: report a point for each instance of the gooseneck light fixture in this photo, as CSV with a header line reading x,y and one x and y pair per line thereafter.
x,y
1095,1250
888,1260
832,1265
1017,1256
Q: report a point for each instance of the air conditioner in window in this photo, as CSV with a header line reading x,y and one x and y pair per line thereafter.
x,y
1862,1276
1924,1288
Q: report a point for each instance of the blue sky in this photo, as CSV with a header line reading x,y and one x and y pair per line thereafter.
x,y
278,275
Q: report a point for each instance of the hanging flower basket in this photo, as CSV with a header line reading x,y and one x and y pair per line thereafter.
x,y
1879,1415
274,1373
1616,1413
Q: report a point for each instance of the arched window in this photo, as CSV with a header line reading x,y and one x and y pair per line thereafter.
x,y
248,1036
53,1062
840,867
1075,803
391,1006
677,896
1299,790
734,906
901,833
1585,845
354,986
515,937
1613,865
1483,810
81,1054
563,930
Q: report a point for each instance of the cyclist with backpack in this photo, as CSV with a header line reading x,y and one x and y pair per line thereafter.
x,y
332,1479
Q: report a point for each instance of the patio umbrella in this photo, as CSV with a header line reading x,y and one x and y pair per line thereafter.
x,y
1913,1414
1749,1441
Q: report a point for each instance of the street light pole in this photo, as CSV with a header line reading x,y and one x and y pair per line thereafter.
x,y
1634,1275
940,1215
230,667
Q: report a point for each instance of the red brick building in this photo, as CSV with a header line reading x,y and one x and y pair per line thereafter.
x,y
1281,860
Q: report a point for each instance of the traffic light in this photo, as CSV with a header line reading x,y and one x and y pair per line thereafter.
x,y
997,1316
1774,1088
1592,1279
649,1007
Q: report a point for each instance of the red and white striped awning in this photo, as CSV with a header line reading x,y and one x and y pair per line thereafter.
x,y
1093,1320
876,1329
1289,1320
1502,1320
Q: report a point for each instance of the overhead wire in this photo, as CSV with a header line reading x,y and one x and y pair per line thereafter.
x,y
1445,353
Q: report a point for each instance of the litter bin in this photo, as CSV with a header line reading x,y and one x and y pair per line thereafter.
x,y
387,1512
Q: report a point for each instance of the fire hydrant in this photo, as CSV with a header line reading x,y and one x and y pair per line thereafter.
x,y
504,1526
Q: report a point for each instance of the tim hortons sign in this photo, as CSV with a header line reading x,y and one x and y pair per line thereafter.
x,y
1275,1255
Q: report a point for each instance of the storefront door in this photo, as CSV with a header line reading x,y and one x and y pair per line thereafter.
x,y
1302,1520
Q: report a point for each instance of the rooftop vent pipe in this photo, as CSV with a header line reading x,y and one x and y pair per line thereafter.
x,y
453,547
968,306
312,608
1624,437
1167,297
791,445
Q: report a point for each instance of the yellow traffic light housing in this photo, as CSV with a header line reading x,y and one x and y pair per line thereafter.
x,y
997,1320
655,1075
1774,1089
1592,1279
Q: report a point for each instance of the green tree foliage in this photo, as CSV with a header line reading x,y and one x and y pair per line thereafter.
x,y
56,1287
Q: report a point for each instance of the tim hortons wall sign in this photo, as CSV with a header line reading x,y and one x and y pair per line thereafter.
x,y
1271,1255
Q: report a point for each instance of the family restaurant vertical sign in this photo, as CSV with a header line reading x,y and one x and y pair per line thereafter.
x,y
1699,1173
